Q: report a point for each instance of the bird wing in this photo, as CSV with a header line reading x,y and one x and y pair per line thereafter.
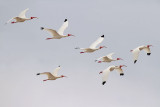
x,y
147,50
105,74
54,73
22,14
53,32
98,41
110,55
48,74
119,70
135,53
63,27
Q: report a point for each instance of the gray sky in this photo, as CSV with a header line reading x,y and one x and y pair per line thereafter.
x,y
126,24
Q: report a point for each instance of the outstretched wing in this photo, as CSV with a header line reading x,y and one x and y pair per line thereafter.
x,y
147,50
22,14
46,73
53,32
119,70
105,74
98,41
54,73
110,55
135,53
63,27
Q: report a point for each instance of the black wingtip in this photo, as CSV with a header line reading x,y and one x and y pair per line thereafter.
x,y
65,20
121,74
135,61
42,28
103,82
38,73
59,66
102,36
148,53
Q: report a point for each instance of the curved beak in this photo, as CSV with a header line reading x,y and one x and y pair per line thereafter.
x,y
104,47
124,65
73,35
65,76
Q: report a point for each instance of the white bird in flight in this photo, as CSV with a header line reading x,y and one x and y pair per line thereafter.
x,y
105,73
137,50
59,34
53,75
21,17
107,58
93,46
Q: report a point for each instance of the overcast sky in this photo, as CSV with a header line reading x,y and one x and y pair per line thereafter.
x,y
125,24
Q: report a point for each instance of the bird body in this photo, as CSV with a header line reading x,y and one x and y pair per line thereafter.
x,y
93,46
21,17
137,50
52,75
108,58
58,34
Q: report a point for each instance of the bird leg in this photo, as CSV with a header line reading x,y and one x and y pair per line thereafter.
x,y
13,22
99,61
48,38
81,52
45,80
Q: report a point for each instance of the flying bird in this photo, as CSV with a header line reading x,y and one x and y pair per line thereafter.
x,y
93,46
52,75
21,17
105,73
108,58
137,50
58,34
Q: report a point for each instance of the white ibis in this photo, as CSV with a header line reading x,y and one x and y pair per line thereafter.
x,y
93,46
108,58
59,34
105,73
21,17
53,75
137,50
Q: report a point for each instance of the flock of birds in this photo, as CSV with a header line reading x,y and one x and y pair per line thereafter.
x,y
92,48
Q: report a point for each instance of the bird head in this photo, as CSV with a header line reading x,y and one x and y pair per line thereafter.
x,y
34,17
119,59
102,47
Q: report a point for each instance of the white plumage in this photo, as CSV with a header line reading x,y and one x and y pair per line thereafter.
x,y
137,50
60,33
21,17
105,73
93,46
52,75
107,58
